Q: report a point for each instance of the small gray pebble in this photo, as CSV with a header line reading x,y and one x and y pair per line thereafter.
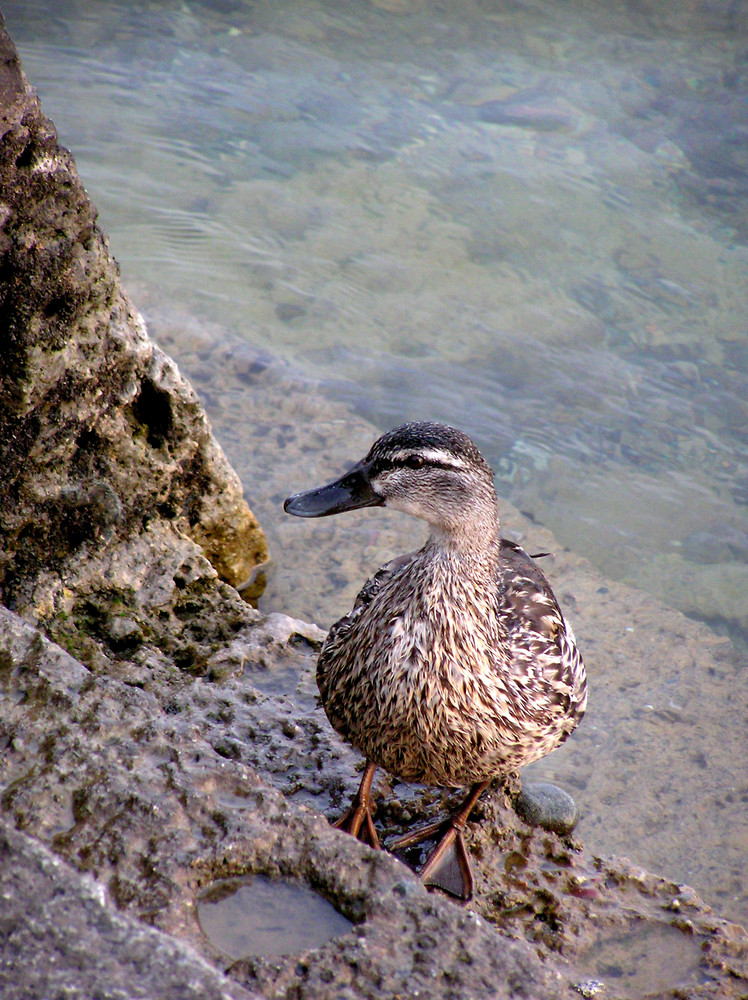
x,y
542,804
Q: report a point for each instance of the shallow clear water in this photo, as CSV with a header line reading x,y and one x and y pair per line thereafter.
x,y
526,219
259,916
640,962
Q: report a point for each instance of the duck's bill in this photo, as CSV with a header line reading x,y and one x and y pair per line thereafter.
x,y
350,492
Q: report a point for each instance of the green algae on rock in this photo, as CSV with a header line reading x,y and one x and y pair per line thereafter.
x,y
100,435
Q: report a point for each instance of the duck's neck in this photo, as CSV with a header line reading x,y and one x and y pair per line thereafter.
x,y
473,538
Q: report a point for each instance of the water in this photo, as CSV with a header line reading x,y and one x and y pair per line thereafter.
x,y
526,219
245,917
642,962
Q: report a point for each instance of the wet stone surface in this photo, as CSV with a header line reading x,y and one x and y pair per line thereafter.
x,y
159,793
645,960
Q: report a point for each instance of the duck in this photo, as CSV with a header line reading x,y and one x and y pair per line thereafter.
x,y
455,665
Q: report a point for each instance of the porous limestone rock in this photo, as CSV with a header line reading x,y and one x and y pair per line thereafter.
x,y
100,435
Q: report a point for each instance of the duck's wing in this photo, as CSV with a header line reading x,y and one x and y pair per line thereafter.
x,y
364,598
375,583
525,592
540,640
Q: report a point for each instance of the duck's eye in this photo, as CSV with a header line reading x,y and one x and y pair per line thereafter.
x,y
414,461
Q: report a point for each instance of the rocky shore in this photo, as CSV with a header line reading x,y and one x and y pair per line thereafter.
x,y
160,735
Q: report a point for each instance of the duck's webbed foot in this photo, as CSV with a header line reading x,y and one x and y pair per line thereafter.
x,y
447,865
358,820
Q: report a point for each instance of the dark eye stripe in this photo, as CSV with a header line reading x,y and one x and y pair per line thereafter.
x,y
408,462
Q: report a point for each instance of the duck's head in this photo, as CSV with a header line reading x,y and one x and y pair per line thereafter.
x,y
431,471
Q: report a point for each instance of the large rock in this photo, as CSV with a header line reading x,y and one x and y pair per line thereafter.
x,y
158,792
54,920
158,786
100,436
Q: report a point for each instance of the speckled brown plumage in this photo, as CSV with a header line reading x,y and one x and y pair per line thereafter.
x,y
449,678
456,664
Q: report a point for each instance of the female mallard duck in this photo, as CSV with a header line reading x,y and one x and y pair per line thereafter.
x,y
455,664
